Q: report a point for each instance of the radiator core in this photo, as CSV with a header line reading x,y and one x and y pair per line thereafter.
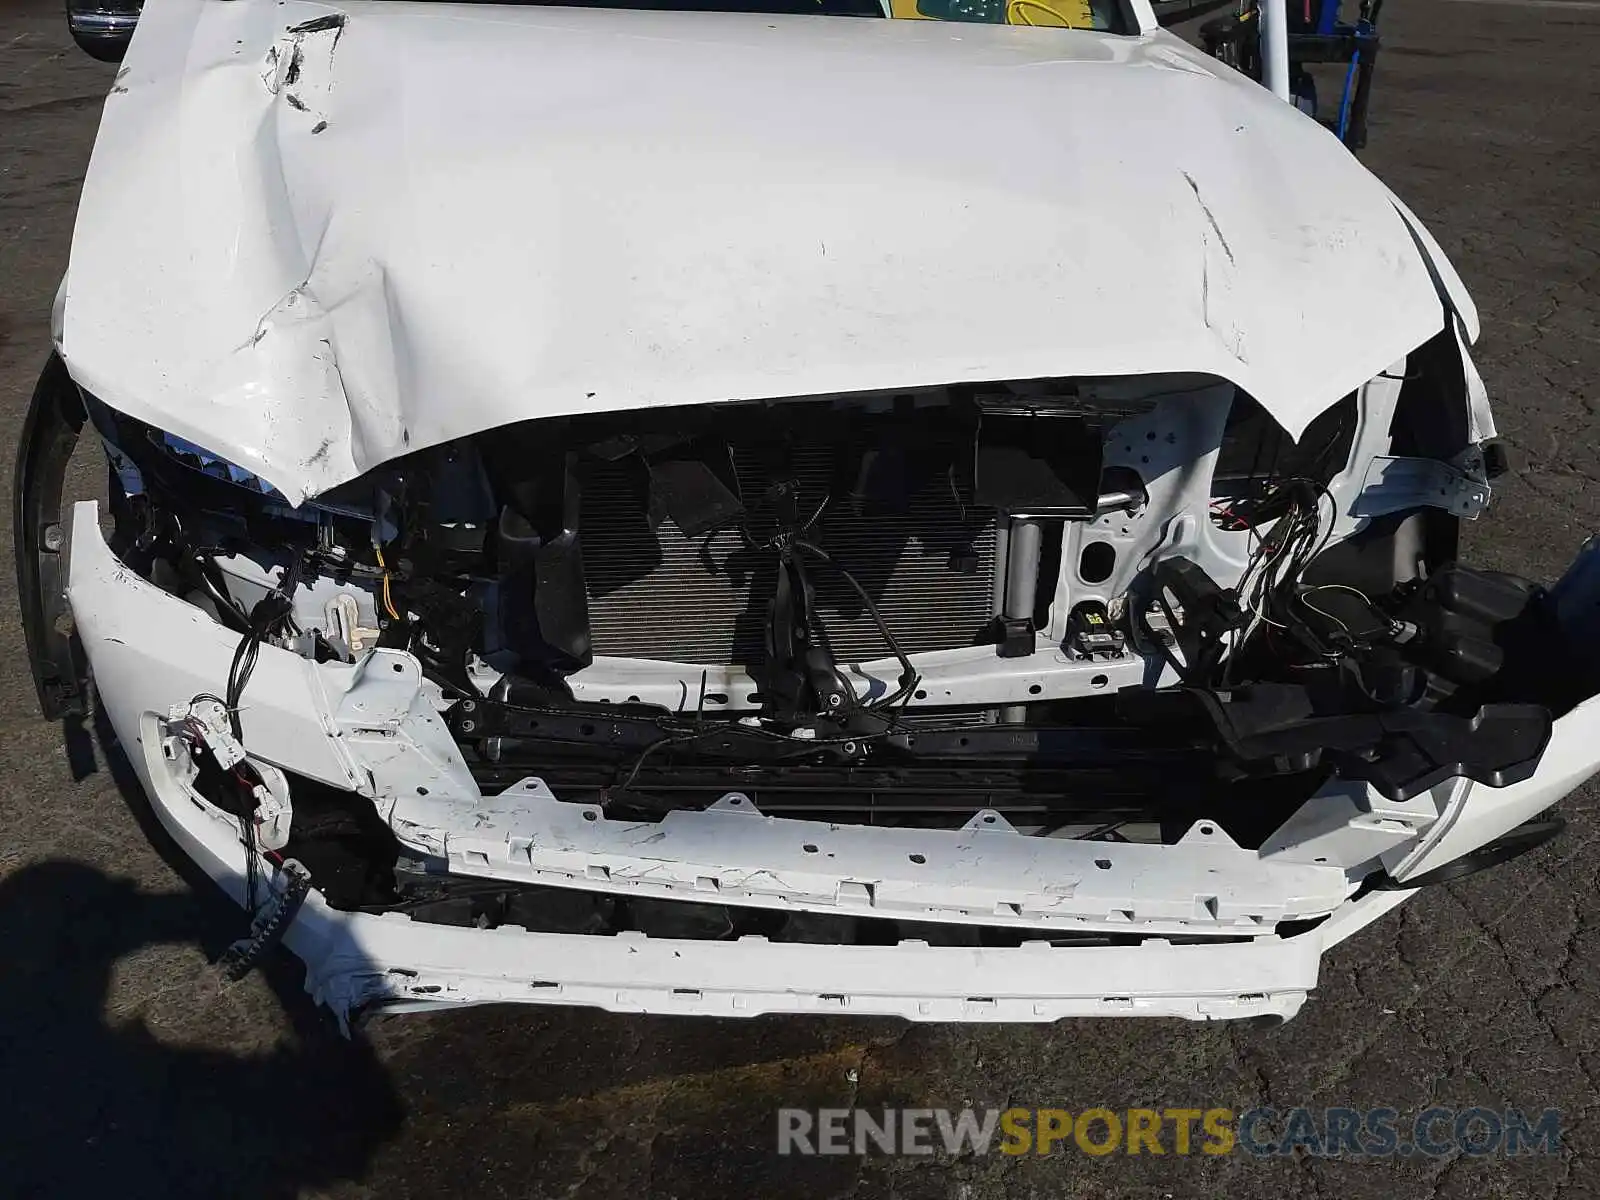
x,y
929,569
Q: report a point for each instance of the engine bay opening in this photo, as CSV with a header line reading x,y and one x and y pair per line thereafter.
x,y
1100,610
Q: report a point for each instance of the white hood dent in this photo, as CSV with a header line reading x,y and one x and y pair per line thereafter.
x,y
313,251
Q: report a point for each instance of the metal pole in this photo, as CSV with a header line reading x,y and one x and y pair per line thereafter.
x,y
1022,585
1275,47
1022,567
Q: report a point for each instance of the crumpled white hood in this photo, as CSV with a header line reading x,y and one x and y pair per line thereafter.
x,y
313,251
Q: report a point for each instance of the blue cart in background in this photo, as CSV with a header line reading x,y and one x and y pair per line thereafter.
x,y
1312,33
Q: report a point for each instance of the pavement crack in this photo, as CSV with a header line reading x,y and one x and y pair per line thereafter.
x,y
56,104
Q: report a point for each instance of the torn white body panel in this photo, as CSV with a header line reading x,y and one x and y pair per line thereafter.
x,y
370,728
313,238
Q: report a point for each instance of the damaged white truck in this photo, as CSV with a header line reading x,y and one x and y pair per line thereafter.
x,y
779,511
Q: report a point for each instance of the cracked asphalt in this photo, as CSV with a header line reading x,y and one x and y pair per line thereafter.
x,y
126,1062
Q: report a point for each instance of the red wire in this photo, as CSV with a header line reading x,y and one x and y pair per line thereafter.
x,y
1232,516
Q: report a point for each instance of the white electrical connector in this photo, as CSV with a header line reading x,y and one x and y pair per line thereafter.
x,y
274,810
343,614
218,733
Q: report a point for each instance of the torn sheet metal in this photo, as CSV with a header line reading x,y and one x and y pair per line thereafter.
x,y
314,238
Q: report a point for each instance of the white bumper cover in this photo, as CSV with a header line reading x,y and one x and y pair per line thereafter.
x,y
370,729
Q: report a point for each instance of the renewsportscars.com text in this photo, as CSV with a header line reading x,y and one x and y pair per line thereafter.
x,y
1260,1132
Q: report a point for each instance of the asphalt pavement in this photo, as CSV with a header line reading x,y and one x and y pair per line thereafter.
x,y
126,1063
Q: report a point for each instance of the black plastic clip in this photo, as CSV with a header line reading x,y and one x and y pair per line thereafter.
x,y
1015,635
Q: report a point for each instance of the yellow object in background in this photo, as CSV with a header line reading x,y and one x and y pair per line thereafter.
x,y
1060,14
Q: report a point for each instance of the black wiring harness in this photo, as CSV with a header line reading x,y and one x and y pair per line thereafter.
x,y
268,923
1269,591
909,678
799,660
269,617
1277,604
1272,613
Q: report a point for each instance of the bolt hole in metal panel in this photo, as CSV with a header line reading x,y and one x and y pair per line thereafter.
x,y
930,569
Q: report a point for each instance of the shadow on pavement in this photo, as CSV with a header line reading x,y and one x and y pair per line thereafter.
x,y
86,1104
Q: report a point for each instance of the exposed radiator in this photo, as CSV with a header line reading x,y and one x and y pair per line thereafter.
x,y
663,596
